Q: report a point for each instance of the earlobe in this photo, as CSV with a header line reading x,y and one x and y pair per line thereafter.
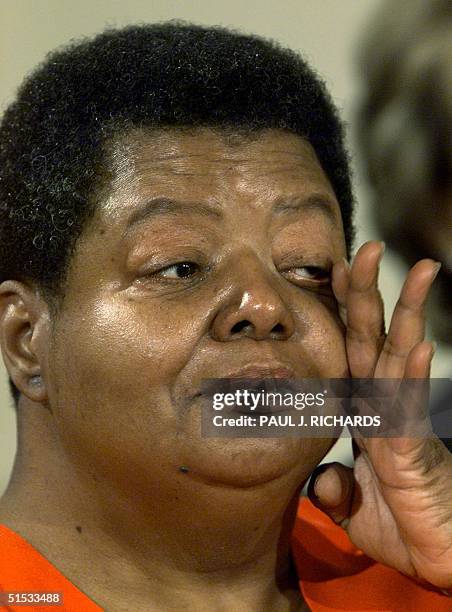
x,y
23,322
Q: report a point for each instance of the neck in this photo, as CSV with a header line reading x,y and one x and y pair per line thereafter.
x,y
215,543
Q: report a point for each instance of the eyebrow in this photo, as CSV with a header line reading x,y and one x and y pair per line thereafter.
x,y
168,206
317,202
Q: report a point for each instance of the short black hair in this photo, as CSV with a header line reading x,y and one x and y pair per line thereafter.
x,y
161,75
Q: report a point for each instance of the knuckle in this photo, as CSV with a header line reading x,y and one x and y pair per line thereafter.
x,y
372,331
391,349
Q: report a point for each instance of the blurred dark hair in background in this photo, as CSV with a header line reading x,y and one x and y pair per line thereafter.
x,y
405,132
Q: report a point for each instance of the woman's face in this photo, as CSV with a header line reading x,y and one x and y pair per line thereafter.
x,y
209,255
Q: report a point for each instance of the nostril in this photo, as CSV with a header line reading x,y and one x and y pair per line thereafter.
x,y
239,326
278,329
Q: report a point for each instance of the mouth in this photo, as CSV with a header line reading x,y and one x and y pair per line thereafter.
x,y
260,383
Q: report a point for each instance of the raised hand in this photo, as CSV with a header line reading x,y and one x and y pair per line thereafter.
x,y
396,502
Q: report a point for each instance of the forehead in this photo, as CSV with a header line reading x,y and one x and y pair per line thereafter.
x,y
209,165
201,149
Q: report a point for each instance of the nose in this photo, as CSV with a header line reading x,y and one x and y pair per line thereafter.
x,y
254,307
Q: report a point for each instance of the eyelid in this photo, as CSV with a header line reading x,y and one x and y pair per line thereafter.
x,y
155,275
295,256
156,262
146,258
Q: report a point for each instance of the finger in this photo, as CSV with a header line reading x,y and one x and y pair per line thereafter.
x,y
331,490
365,311
419,360
415,391
410,410
340,283
417,375
407,326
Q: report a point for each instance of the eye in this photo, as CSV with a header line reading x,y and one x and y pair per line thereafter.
x,y
313,274
183,269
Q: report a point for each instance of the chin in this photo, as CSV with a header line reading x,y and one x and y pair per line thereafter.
x,y
250,462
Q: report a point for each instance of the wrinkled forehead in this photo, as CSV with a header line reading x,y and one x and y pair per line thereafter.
x,y
201,163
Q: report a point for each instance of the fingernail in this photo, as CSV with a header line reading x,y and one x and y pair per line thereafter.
x,y
320,471
437,268
333,482
382,252
314,480
434,347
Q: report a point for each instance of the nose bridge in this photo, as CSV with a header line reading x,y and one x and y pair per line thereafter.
x,y
258,285
254,304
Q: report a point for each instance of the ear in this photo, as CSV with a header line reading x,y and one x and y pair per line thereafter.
x,y
24,336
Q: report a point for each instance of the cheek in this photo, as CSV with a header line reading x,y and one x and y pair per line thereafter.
x,y
324,339
123,348
116,364
113,367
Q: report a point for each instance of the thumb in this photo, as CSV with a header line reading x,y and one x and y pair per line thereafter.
x,y
331,490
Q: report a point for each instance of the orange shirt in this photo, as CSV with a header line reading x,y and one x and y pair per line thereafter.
x,y
334,575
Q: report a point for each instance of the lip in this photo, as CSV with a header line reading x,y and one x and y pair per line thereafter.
x,y
261,371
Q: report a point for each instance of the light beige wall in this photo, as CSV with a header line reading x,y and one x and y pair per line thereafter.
x,y
324,30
